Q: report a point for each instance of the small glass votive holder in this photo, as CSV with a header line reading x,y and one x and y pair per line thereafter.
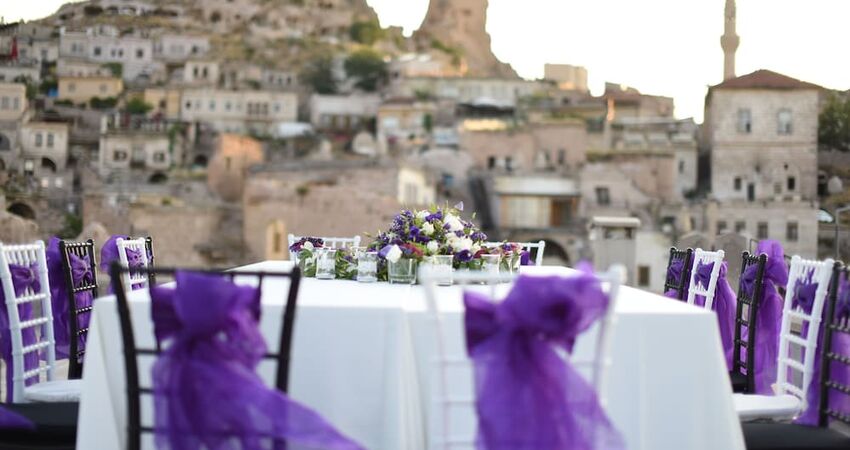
x,y
326,263
367,266
402,271
442,268
490,263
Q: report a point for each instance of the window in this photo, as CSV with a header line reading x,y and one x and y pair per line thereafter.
x,y
4,103
49,140
737,183
509,163
212,105
761,232
745,121
29,167
227,163
777,188
792,232
72,87
783,121
227,106
159,157
16,104
277,107
721,226
603,197
195,72
643,276
792,183
681,167
751,192
119,155
38,139
102,88
97,51
740,227
140,53
491,162
562,157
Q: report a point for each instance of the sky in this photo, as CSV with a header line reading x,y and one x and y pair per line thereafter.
x,y
661,47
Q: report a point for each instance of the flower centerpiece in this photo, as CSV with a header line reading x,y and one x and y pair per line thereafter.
x,y
512,256
346,264
304,254
417,235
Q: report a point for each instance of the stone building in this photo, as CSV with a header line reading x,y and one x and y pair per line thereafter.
x,y
344,113
234,155
762,131
13,101
142,152
498,91
201,72
105,44
568,78
12,71
324,198
405,122
78,67
239,111
80,90
180,47
44,147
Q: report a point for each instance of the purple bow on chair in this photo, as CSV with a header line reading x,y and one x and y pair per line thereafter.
x,y
674,272
81,275
769,316
206,391
10,420
804,293
525,258
527,396
23,278
109,253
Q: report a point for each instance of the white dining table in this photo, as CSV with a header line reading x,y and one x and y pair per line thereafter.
x,y
363,358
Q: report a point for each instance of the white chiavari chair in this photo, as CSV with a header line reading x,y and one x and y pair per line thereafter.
x,y
132,278
538,248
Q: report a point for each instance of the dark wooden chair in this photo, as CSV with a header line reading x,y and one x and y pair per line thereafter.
x,y
679,285
787,436
743,370
135,428
81,250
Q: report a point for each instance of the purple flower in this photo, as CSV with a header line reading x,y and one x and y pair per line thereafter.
x,y
478,236
435,216
464,256
383,252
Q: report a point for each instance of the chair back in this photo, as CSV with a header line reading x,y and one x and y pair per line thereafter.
x,y
80,250
800,361
745,317
41,319
533,248
448,364
696,286
837,327
672,283
140,245
330,242
133,353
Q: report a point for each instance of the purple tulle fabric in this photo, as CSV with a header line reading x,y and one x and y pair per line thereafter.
x,y
525,258
769,316
803,296
81,274
527,396
10,420
674,272
23,277
839,372
207,394
724,305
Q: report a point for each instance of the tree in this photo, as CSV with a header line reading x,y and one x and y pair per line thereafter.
x,y
115,68
834,123
137,105
366,32
368,68
318,74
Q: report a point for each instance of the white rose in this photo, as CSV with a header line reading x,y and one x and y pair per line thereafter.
x,y
461,244
428,229
453,222
307,246
475,248
423,214
394,254
432,247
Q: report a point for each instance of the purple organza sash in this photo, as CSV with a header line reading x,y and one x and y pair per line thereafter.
x,y
769,316
23,277
527,396
206,391
803,296
723,306
525,258
10,420
81,274
674,272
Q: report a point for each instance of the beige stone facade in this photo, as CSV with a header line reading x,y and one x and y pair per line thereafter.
x,y
46,144
227,169
500,91
13,101
239,111
82,89
539,146
122,151
568,77
165,102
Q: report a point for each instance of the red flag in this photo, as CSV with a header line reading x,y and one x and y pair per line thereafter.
x,y
14,54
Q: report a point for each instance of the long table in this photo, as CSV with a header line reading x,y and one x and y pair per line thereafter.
x,y
363,358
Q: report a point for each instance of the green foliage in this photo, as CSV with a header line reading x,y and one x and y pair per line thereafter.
x,y
64,102
423,95
103,103
47,85
368,68
366,32
454,52
834,124
115,68
72,227
137,105
428,123
318,74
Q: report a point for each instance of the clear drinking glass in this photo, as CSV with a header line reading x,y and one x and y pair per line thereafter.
x,y
367,266
441,266
306,261
490,263
326,263
402,271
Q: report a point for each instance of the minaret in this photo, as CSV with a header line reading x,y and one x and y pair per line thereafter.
x,y
729,41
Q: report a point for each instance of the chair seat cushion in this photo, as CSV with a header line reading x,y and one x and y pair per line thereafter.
x,y
56,426
739,381
787,436
54,391
777,407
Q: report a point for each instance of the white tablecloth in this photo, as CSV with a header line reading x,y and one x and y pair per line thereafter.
x,y
363,354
